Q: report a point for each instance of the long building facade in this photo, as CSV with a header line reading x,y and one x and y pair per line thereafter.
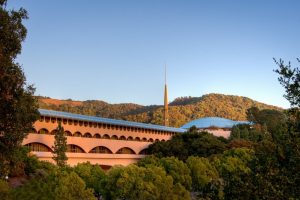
x,y
102,141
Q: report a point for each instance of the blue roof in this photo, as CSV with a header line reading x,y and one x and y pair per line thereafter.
x,y
207,122
52,113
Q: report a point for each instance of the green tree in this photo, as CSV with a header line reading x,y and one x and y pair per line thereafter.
x,y
60,146
178,170
92,175
18,107
188,144
289,78
234,168
72,187
133,182
54,186
206,181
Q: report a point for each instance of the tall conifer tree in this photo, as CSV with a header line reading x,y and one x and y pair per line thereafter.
x,y
60,146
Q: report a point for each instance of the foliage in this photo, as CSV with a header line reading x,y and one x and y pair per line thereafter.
x,y
289,78
206,180
5,191
191,143
92,175
181,110
133,182
18,107
234,168
72,187
172,166
60,146
59,185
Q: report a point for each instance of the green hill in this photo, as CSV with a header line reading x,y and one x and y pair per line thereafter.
x,y
181,110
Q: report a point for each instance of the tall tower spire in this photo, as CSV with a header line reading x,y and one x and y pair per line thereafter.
x,y
166,107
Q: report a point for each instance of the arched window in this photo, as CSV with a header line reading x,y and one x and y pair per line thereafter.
x,y
97,135
163,140
144,139
43,131
105,136
53,132
144,152
68,133
122,137
130,138
157,140
77,134
33,130
137,139
125,150
47,119
114,137
38,147
101,149
72,148
53,120
87,135
150,140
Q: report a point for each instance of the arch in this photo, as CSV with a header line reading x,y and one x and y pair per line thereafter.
x,y
97,135
43,131
114,137
53,132
36,146
101,149
156,140
125,150
130,138
163,140
87,135
144,152
33,130
137,139
150,140
77,134
72,148
122,137
144,140
106,136
68,133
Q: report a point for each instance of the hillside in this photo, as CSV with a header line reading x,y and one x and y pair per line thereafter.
x,y
181,110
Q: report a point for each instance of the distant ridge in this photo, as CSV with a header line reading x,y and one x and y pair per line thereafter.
x,y
181,110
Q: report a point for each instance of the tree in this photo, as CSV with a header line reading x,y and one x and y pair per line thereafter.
x,y
54,186
72,187
289,78
187,144
206,180
60,146
234,168
18,107
92,175
133,182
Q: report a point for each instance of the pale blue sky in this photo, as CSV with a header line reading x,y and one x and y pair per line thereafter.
x,y
116,50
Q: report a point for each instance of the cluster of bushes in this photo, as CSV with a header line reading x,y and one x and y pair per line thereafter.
x,y
151,178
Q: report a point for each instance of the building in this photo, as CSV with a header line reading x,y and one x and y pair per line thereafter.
x,y
215,125
102,141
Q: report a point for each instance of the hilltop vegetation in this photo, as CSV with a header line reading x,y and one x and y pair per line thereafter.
x,y
181,110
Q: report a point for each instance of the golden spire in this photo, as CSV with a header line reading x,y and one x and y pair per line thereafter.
x,y
166,108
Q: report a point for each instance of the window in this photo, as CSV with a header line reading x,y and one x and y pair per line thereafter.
x,y
72,148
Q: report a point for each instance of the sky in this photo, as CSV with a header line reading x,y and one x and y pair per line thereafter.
x,y
116,50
